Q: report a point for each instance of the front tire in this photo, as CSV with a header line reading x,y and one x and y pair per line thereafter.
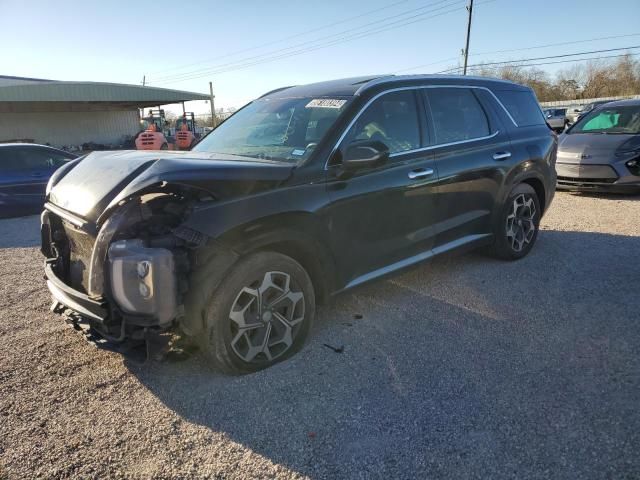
x,y
260,315
517,228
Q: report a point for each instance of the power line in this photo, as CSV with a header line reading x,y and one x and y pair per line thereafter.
x,y
535,47
244,63
323,27
567,61
289,51
543,58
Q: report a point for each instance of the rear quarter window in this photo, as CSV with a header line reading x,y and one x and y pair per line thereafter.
x,y
522,106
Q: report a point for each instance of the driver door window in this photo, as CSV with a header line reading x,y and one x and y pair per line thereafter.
x,y
41,159
391,119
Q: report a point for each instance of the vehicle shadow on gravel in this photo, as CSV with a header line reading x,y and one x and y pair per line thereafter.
x,y
607,196
461,366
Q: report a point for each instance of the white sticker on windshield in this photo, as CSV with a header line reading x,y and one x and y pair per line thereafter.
x,y
326,103
298,152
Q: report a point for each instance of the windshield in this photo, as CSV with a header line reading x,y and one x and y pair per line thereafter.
x,y
614,120
285,129
181,121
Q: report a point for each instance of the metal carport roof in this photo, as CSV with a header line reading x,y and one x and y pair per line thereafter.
x,y
94,92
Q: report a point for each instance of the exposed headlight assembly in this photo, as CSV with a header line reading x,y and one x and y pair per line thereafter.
x,y
143,280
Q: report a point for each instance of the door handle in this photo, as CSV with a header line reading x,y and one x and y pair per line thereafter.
x,y
420,173
501,155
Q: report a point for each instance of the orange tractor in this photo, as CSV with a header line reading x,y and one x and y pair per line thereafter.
x,y
186,135
152,135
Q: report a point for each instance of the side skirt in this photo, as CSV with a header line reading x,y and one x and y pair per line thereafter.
x,y
466,243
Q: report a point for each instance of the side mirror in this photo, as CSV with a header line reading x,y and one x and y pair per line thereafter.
x,y
364,154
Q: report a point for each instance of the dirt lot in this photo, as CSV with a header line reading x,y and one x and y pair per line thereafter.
x,y
464,368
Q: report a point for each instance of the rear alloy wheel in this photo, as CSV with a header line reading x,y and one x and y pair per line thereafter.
x,y
517,229
520,225
260,315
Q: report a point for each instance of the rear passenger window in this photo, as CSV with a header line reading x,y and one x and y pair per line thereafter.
x,y
522,106
457,115
391,119
10,161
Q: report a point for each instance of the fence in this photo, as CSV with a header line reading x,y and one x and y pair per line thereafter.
x,y
584,101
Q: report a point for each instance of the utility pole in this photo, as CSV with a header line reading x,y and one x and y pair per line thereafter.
x,y
466,49
144,80
213,106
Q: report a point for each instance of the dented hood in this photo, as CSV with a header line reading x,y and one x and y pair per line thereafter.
x,y
87,187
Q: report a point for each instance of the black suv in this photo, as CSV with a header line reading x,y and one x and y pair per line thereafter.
x,y
303,193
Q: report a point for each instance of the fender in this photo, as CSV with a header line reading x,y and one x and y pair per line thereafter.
x,y
215,218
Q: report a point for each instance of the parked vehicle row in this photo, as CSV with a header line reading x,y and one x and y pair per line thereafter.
x,y
303,193
561,118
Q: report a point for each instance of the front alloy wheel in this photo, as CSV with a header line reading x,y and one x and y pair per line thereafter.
x,y
260,314
265,318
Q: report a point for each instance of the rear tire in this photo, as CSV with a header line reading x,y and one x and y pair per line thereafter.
x,y
518,224
260,315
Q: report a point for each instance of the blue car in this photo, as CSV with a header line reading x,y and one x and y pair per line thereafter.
x,y
25,169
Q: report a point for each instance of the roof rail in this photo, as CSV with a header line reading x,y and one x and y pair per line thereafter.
x,y
371,83
424,76
276,90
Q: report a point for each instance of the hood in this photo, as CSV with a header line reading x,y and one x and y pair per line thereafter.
x,y
99,179
590,148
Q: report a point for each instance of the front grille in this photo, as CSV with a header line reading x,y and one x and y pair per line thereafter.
x,y
586,173
583,181
80,248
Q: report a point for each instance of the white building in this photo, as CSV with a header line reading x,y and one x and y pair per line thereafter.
x,y
63,113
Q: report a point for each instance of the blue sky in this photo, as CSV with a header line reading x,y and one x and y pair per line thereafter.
x,y
119,41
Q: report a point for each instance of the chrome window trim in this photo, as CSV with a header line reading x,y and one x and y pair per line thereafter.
x,y
418,87
440,145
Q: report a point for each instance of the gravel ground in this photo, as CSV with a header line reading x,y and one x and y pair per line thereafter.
x,y
464,368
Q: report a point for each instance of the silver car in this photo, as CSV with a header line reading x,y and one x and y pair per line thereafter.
x,y
601,152
573,112
556,118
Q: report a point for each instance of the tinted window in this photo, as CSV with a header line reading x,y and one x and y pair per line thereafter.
x,y
41,158
320,120
391,119
522,106
621,120
10,160
457,115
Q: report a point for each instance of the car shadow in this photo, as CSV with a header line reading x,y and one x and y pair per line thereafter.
x,y
462,365
21,232
607,196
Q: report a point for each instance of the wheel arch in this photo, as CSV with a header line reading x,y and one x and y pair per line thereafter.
x,y
299,235
539,188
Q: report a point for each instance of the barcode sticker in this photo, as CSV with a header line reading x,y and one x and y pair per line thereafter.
x,y
326,103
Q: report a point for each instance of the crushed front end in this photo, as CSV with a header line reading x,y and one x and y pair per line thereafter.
x,y
124,277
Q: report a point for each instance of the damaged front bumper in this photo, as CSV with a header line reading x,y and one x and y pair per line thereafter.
x,y
138,282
